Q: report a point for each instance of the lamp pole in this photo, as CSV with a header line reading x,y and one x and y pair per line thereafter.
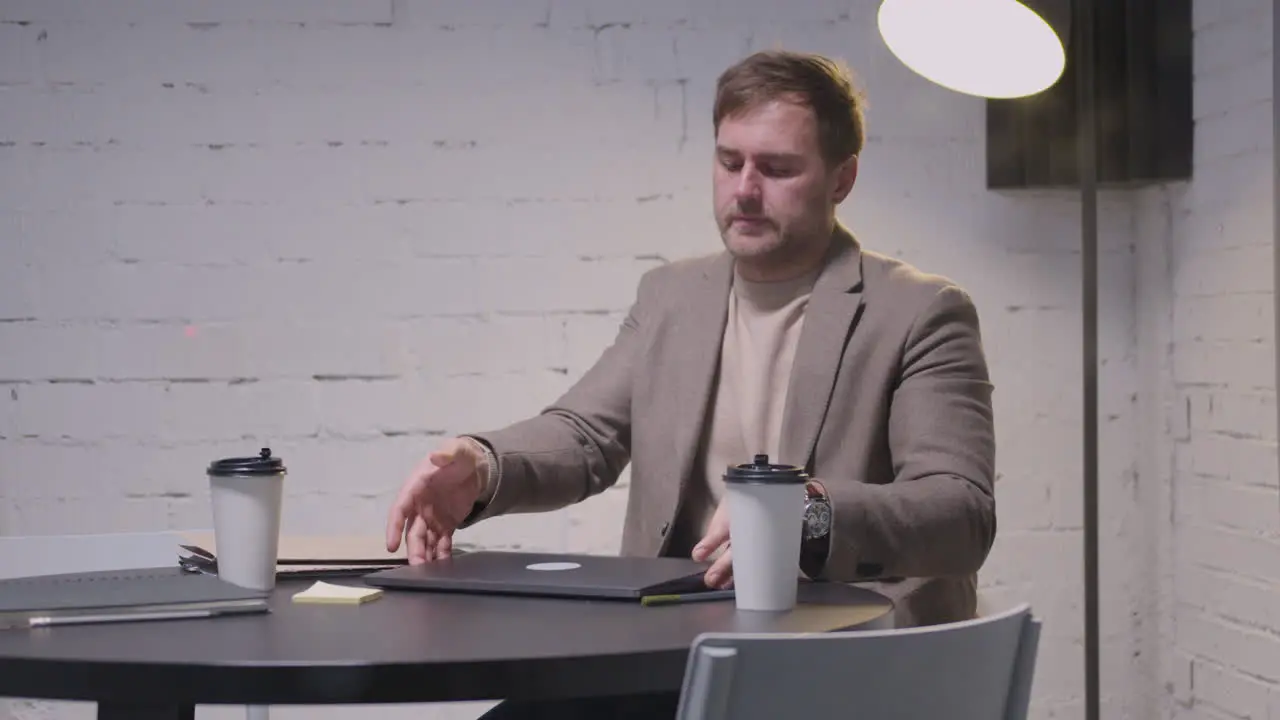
x,y
1275,200
933,56
1086,148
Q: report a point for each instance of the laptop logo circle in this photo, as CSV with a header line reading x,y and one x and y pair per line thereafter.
x,y
553,566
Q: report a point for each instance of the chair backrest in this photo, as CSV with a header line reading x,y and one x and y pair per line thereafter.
x,y
977,669
25,555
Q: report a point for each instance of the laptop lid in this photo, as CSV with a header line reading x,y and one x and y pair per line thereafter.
x,y
549,575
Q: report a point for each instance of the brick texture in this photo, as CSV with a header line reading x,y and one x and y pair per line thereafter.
x,y
350,229
1220,536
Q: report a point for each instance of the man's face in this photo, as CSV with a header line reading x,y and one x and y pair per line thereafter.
x,y
774,195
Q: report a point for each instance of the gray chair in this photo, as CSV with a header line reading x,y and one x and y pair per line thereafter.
x,y
49,554
973,670
27,555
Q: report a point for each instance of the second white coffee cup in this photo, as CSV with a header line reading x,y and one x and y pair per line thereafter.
x,y
766,529
247,495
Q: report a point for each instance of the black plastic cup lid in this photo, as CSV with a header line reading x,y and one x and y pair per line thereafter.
x,y
263,464
760,471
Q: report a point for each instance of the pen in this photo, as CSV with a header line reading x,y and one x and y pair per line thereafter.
x,y
194,567
46,621
687,598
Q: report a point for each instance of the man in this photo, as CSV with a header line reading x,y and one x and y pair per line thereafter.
x,y
794,342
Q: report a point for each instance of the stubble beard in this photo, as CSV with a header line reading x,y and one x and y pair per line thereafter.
x,y
774,246
760,245
770,250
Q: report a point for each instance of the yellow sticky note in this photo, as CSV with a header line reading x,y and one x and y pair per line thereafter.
x,y
328,593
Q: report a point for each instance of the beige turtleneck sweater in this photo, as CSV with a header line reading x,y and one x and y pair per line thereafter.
x,y
761,331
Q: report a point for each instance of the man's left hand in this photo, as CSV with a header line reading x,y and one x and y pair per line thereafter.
x,y
720,574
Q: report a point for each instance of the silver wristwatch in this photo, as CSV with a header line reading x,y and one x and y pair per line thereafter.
x,y
817,514
816,545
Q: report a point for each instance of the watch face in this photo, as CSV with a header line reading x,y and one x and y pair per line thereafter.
x,y
817,520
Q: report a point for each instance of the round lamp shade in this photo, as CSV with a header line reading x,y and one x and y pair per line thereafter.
x,y
988,48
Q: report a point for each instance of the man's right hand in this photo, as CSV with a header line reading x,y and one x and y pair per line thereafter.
x,y
436,498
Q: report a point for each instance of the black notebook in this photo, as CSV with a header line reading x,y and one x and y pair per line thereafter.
x,y
121,595
550,575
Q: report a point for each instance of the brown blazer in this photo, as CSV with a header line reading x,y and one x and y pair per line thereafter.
x,y
889,406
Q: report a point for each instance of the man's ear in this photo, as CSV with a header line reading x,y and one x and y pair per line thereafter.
x,y
846,175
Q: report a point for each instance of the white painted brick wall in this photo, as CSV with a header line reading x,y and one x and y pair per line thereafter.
x,y
348,229
1215,516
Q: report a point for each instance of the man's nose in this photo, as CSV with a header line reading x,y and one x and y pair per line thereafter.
x,y
748,185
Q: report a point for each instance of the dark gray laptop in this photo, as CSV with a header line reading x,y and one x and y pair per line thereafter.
x,y
162,593
548,575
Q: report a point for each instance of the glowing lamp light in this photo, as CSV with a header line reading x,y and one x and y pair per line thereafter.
x,y
988,48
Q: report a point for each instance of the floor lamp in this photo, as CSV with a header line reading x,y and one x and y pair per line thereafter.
x,y
1009,49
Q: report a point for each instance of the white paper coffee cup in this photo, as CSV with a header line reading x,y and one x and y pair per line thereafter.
x,y
247,495
766,529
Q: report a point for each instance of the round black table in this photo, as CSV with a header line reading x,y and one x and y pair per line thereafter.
x,y
408,646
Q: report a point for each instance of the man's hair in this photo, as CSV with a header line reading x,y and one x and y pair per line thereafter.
x,y
823,85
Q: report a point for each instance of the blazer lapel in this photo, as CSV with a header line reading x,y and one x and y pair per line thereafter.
x,y
698,336
829,320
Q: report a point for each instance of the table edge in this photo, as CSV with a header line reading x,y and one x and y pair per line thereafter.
x,y
359,682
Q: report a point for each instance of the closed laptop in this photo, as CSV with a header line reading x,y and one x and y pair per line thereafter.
x,y
548,575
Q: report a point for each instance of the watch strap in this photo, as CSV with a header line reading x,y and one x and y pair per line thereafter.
x,y
815,550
